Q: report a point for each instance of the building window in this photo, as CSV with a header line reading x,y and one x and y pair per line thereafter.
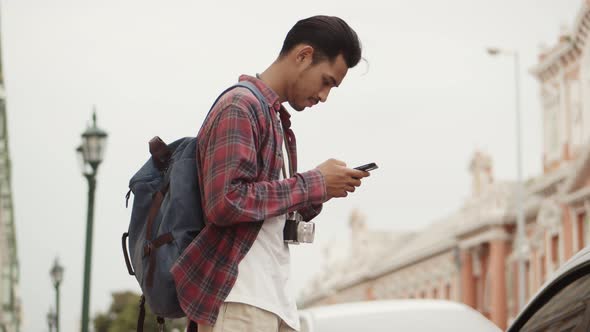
x,y
555,251
543,268
510,286
478,294
447,291
581,230
528,278
512,282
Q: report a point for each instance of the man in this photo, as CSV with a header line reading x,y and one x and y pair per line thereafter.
x,y
233,276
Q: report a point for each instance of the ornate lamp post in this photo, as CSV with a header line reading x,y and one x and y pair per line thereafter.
x,y
90,154
521,245
57,272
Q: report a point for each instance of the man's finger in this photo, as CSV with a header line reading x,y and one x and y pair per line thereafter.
x,y
353,182
339,162
357,174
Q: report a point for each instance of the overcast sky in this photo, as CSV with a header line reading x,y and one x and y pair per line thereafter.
x,y
430,97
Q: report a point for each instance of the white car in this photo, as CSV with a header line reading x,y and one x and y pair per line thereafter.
x,y
563,303
394,316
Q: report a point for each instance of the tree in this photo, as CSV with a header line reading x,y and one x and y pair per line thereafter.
x,y
124,312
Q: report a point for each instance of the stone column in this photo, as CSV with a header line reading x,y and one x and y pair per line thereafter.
x,y
370,293
467,280
535,268
498,254
568,240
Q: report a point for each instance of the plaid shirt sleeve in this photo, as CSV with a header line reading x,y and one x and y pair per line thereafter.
x,y
233,192
311,211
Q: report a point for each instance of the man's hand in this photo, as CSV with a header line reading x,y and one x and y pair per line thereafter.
x,y
339,179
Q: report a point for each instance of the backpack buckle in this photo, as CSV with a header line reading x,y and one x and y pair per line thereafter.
x,y
147,249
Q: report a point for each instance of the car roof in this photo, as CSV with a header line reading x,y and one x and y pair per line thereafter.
x,y
396,315
384,306
579,259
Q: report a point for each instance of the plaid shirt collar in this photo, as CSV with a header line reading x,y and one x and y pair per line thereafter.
x,y
272,98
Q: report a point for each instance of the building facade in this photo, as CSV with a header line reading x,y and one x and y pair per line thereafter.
x,y
10,304
470,255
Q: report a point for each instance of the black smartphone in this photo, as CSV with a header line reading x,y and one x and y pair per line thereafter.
x,y
367,167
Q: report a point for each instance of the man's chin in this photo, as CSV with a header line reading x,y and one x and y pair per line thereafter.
x,y
298,108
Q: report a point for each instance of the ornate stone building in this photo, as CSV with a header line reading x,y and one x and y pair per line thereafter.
x,y
468,256
9,293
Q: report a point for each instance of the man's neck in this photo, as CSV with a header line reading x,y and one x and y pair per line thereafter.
x,y
274,77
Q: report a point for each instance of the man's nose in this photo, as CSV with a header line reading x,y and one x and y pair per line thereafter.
x,y
323,95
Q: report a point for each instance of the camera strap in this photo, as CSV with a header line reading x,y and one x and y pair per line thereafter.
x,y
287,154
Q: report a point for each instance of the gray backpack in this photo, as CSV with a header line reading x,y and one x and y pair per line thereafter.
x,y
166,216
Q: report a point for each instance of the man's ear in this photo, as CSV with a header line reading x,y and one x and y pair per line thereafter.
x,y
304,54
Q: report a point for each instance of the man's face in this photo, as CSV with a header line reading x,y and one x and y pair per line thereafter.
x,y
314,81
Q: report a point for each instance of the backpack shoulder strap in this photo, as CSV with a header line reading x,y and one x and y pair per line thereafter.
x,y
242,84
254,90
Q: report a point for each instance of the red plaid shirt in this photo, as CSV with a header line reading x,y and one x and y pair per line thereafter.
x,y
240,159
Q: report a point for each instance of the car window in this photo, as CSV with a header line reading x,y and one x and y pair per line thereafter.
x,y
567,311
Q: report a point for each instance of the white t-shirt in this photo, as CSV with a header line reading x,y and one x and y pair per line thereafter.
x,y
264,272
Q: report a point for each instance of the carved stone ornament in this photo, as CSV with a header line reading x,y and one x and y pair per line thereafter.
x,y
550,214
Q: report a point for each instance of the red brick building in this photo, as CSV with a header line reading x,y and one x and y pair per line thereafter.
x,y
470,256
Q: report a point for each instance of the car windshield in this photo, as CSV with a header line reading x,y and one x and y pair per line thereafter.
x,y
568,310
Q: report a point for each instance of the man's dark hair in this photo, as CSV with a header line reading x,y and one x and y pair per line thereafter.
x,y
329,36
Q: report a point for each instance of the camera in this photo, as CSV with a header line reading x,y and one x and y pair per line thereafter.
x,y
298,231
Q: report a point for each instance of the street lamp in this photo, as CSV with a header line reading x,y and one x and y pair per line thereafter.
x,y
90,154
520,219
56,273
